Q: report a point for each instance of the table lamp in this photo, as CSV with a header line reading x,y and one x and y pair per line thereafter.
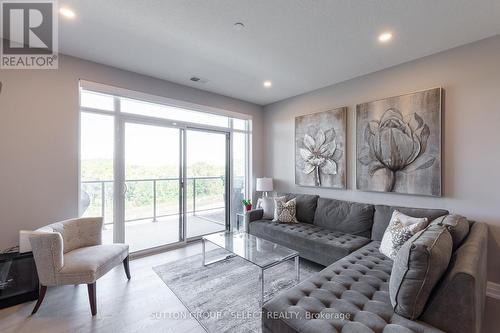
x,y
264,185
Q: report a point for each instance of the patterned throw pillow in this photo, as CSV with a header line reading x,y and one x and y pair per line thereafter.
x,y
267,205
285,211
401,228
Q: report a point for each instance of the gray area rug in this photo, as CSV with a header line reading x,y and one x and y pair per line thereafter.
x,y
224,297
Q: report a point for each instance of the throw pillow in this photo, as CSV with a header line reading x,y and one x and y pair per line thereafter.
x,y
285,211
400,229
267,205
419,265
457,225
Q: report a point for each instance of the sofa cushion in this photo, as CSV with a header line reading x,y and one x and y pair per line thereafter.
x,y
312,242
383,215
349,217
419,265
306,206
267,205
457,225
285,211
87,264
401,228
356,286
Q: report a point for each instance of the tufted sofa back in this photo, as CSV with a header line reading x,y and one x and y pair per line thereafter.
x,y
353,218
306,205
344,216
383,215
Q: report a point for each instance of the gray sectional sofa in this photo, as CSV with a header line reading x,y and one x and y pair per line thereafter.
x,y
345,237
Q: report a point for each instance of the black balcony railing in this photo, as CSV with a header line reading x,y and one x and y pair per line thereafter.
x,y
197,186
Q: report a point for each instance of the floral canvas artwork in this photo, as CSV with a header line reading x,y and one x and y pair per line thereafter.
x,y
399,144
320,149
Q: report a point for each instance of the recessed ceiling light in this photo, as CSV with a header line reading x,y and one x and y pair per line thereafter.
x,y
66,12
385,37
238,26
267,84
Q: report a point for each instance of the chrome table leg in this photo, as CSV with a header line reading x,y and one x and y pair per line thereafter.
x,y
203,250
261,280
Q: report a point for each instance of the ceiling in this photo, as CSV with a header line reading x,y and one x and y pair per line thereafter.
x,y
299,45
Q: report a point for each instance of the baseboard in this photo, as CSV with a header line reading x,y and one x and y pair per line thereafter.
x,y
493,290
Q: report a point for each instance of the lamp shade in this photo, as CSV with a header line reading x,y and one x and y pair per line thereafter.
x,y
264,184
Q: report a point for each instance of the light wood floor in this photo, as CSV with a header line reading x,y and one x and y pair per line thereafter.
x,y
122,305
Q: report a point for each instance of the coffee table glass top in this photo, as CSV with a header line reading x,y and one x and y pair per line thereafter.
x,y
258,251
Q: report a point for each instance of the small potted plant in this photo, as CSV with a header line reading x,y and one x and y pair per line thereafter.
x,y
247,203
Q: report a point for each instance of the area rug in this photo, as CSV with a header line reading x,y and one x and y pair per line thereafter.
x,y
224,297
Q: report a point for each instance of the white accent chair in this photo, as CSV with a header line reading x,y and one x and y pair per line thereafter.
x,y
71,252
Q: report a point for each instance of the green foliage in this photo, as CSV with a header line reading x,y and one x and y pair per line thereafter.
x,y
139,195
246,202
97,169
101,169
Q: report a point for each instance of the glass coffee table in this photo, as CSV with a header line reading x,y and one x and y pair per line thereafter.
x,y
260,252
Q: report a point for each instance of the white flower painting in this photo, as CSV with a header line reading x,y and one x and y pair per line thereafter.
x,y
399,144
319,149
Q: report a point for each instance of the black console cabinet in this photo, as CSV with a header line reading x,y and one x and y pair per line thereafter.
x,y
18,279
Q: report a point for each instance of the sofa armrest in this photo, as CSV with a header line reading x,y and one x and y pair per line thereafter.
x,y
457,302
253,215
48,254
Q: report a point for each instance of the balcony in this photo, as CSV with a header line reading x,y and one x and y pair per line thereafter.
x,y
152,208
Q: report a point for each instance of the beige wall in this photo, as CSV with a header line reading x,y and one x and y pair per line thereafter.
x,y
39,137
470,76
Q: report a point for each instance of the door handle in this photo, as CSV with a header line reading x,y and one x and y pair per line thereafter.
x,y
124,189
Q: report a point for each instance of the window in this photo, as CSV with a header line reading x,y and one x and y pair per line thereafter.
x,y
172,113
240,124
93,100
131,166
240,166
97,166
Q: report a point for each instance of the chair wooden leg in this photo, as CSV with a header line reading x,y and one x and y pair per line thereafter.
x,y
92,299
126,267
41,295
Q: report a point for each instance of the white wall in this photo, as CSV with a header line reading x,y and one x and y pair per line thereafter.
x,y
39,137
470,76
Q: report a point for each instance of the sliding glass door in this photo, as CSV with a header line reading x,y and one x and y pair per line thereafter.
x,y
207,181
153,186
154,177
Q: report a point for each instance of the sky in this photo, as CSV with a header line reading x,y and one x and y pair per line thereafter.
x,y
149,145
